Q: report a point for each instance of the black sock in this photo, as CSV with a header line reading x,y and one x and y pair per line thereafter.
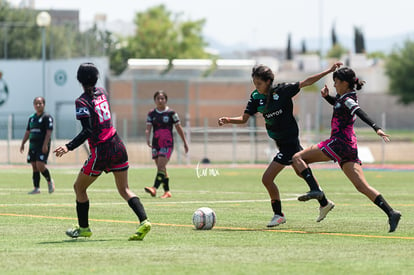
x,y
36,179
46,174
310,179
323,202
277,207
166,184
159,178
82,209
382,203
138,208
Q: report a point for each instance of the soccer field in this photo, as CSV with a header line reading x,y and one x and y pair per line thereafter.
x,y
353,239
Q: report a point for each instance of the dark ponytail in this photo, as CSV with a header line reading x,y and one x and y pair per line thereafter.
x,y
348,75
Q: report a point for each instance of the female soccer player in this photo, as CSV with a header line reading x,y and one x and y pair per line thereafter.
x,y
108,153
161,119
341,147
38,132
275,103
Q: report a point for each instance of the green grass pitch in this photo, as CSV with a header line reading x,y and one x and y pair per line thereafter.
x,y
353,239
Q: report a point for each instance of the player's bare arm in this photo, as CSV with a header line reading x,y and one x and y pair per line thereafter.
x,y
233,120
312,79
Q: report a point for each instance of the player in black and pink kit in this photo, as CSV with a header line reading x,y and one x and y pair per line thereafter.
x,y
274,101
341,147
107,153
161,120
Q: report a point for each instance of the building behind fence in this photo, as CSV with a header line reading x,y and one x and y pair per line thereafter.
x,y
200,99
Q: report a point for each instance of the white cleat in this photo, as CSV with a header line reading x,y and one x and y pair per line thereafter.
x,y
323,211
276,220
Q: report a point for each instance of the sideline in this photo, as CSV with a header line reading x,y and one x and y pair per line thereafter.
x,y
327,165
219,227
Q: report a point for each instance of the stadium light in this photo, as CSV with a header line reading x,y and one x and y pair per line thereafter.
x,y
43,20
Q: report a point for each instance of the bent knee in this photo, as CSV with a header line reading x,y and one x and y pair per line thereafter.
x,y
297,157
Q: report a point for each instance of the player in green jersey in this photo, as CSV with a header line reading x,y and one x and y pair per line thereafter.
x,y
275,103
38,132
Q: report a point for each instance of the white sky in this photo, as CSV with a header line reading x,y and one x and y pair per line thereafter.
x,y
263,23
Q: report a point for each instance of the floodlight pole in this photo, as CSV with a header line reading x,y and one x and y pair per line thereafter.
x,y
43,20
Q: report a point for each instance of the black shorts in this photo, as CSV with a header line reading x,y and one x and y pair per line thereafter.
x,y
36,154
106,157
287,148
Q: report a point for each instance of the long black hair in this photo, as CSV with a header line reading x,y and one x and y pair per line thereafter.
x,y
348,75
88,75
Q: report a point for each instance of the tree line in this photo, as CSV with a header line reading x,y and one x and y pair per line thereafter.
x,y
162,34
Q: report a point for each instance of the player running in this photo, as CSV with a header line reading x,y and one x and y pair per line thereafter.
x,y
39,132
107,153
161,120
341,147
274,101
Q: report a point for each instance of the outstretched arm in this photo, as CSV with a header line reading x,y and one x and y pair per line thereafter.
x,y
233,120
78,140
312,79
365,118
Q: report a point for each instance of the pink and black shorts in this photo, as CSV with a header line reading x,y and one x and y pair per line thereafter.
x,y
339,151
162,152
110,156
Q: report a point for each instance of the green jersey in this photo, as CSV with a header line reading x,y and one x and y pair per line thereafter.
x,y
38,126
278,112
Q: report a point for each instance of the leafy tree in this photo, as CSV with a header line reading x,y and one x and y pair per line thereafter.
x,y
21,37
399,67
336,51
377,55
162,34
19,34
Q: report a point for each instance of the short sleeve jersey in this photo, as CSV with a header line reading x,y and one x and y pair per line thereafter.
x,y
162,123
343,117
278,113
96,108
38,126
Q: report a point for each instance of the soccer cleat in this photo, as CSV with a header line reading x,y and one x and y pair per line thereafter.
x,y
323,211
276,220
166,195
313,194
77,231
142,231
393,220
151,190
51,186
34,191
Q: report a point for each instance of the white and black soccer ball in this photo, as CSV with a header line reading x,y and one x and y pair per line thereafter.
x,y
204,218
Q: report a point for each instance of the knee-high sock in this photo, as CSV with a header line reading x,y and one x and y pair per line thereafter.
x,y
310,179
82,209
36,179
383,204
166,184
138,208
46,174
159,178
277,207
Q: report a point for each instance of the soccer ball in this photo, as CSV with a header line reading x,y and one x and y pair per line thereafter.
x,y
204,218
